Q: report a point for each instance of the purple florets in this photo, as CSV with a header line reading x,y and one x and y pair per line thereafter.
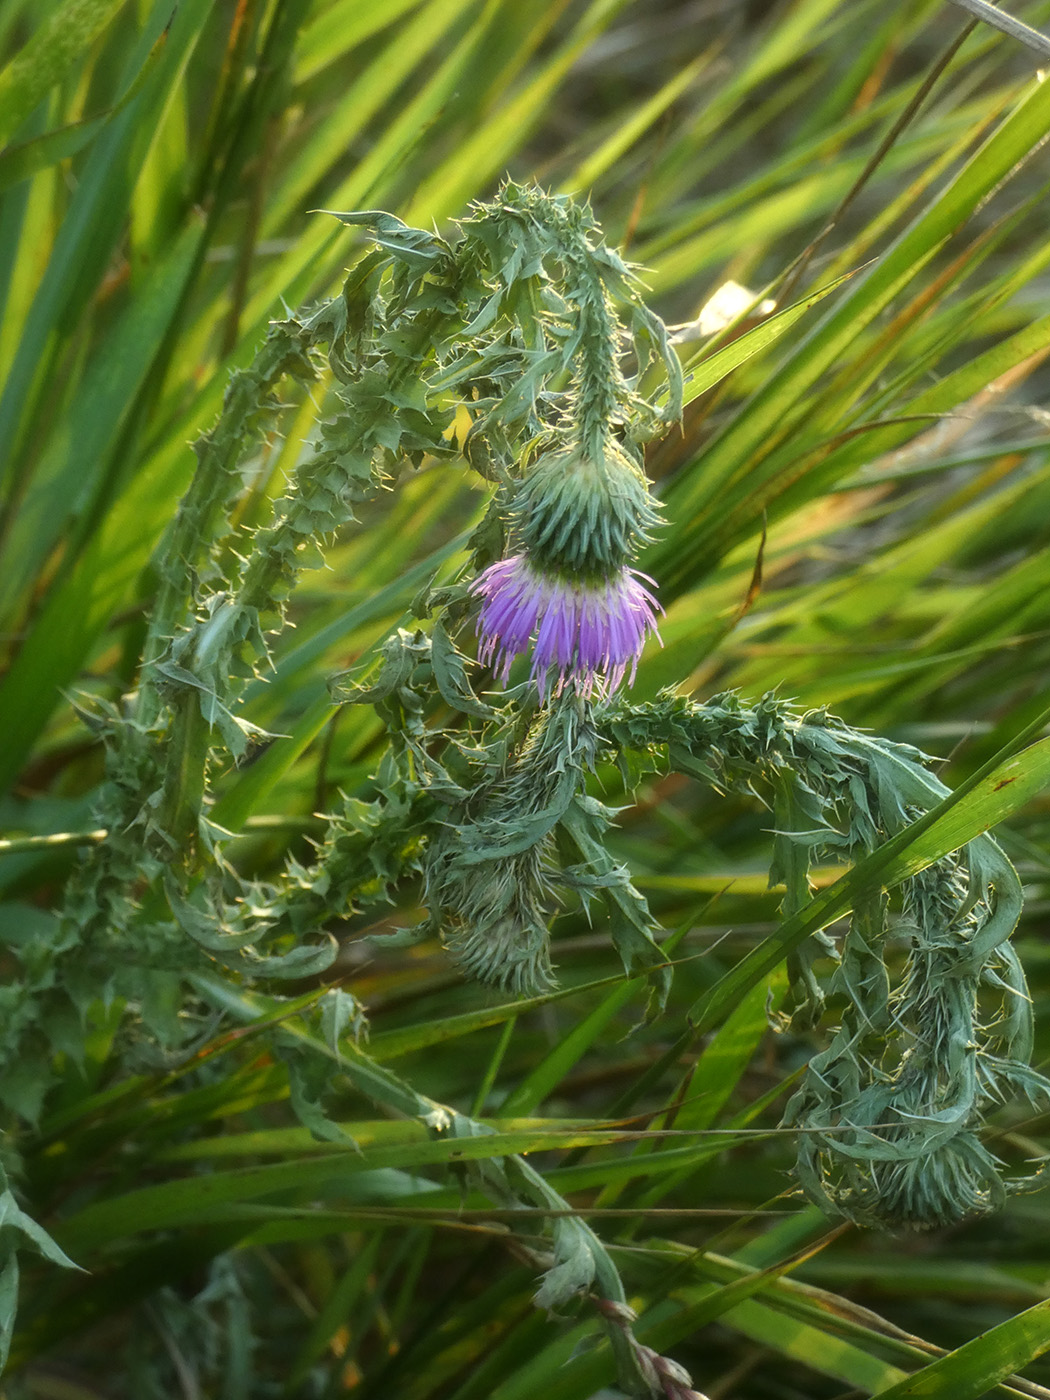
x,y
590,634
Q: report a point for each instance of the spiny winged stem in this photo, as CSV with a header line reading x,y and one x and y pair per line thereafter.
x,y
595,335
248,404
599,387
490,874
889,1113
522,834
228,637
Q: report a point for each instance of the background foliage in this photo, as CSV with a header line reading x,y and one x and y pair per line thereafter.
x,y
857,517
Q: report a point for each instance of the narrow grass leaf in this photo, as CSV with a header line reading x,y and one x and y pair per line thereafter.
x,y
970,1371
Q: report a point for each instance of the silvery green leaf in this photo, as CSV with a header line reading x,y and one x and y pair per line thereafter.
x,y
450,675
573,1270
419,249
14,1217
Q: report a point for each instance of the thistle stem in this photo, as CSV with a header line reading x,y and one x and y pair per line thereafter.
x,y
284,351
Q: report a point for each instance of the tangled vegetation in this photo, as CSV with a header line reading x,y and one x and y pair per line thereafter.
x,y
429,709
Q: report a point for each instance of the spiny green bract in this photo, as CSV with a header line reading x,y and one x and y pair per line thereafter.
x,y
583,517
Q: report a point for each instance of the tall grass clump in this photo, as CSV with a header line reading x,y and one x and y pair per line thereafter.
x,y
480,916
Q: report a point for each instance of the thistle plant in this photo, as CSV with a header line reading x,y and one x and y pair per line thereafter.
x,y
521,346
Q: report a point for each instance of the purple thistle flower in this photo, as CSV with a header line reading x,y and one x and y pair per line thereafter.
x,y
588,633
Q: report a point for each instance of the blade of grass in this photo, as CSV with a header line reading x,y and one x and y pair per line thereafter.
x,y
968,1372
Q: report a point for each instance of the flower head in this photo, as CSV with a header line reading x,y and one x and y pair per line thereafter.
x,y
589,632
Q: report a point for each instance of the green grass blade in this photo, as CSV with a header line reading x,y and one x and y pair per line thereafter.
x,y
57,45
971,1370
